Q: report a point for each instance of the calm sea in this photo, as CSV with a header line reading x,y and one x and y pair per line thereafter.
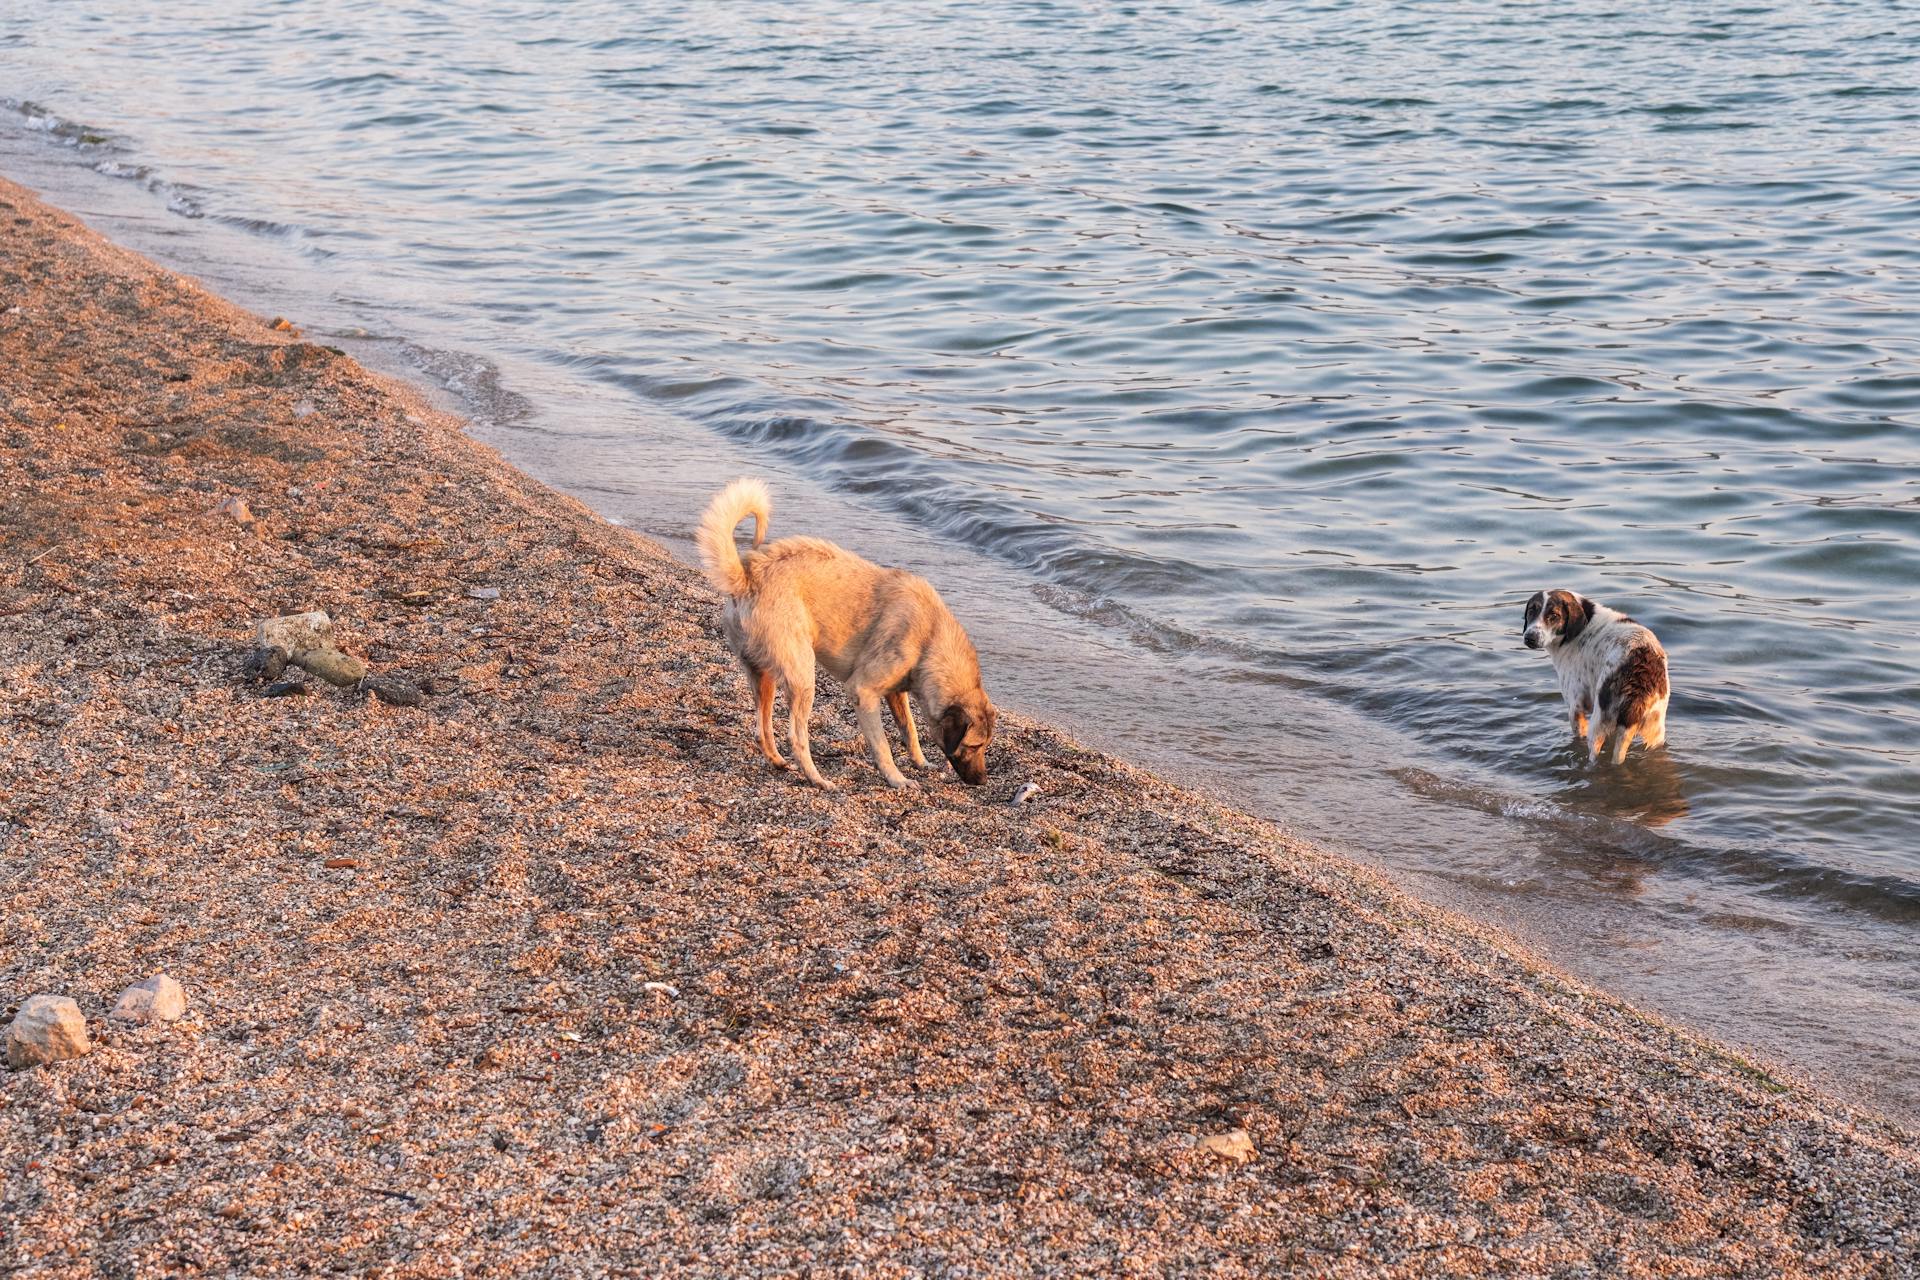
x,y
1238,370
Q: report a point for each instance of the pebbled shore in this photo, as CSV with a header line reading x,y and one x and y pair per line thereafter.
x,y
550,975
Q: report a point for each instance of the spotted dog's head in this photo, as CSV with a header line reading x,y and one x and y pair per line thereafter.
x,y
1555,618
966,727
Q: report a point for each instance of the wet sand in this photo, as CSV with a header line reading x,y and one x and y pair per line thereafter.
x,y
552,975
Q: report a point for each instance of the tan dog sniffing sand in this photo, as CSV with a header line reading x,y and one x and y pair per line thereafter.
x,y
884,633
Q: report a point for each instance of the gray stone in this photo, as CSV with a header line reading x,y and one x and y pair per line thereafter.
x,y
287,689
158,999
387,689
295,631
47,1029
484,593
332,665
275,664
266,665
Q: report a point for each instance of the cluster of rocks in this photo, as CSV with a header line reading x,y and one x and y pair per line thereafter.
x,y
305,641
50,1028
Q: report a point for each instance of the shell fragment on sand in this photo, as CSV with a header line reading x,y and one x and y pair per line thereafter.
x,y
237,508
47,1029
1235,1145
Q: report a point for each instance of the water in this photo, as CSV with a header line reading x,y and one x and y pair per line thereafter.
x,y
1237,369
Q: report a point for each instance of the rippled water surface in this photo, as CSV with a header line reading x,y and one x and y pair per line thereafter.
x,y
1260,358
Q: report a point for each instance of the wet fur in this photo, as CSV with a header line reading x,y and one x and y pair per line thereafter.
x,y
800,605
1613,672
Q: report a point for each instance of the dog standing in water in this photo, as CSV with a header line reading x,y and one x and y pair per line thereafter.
x,y
1613,672
802,603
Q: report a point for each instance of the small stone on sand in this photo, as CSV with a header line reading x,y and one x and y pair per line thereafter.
x,y
387,689
266,664
332,666
157,999
47,1029
295,632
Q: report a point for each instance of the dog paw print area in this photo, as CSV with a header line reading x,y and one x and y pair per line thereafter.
x,y
1235,384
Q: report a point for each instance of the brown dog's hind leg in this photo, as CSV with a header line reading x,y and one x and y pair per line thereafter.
x,y
903,715
763,699
799,709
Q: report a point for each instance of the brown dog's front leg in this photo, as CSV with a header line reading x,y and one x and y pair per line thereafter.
x,y
868,704
903,714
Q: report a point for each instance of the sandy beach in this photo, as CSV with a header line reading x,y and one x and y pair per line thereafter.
x,y
551,975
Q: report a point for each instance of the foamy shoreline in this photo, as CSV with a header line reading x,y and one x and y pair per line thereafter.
x,y
550,973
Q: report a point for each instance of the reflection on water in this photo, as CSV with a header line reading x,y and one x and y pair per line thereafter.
x,y
1277,352
1648,787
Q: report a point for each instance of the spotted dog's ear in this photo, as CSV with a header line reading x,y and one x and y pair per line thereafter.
x,y
1534,606
1579,614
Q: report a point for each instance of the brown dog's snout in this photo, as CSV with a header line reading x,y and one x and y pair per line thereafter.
x,y
971,766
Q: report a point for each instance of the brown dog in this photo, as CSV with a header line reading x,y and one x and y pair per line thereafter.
x,y
883,633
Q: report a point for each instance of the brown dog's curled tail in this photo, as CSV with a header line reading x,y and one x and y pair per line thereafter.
x,y
718,554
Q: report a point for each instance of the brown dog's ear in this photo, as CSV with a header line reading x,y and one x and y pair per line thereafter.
x,y
1578,616
953,728
1535,604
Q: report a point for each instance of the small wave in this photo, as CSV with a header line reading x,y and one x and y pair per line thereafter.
x,y
474,381
70,132
120,169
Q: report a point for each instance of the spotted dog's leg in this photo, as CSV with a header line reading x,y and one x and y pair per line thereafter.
x,y
1654,731
1621,743
1596,737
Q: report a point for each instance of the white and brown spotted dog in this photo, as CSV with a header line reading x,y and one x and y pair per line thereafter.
x,y
1613,672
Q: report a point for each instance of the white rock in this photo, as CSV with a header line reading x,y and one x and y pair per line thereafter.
x,y
484,593
47,1029
296,632
158,999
